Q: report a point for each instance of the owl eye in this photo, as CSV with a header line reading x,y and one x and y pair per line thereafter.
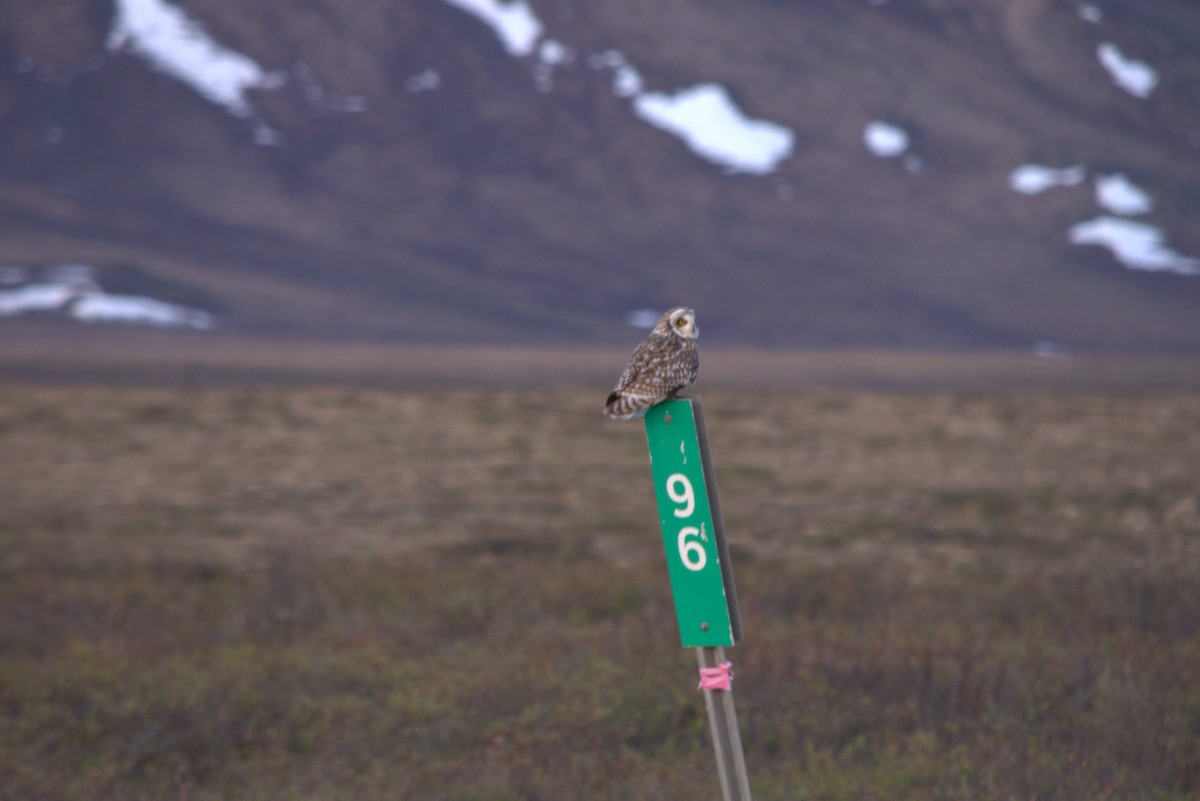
x,y
681,322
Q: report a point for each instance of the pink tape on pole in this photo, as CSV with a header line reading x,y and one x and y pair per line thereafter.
x,y
716,678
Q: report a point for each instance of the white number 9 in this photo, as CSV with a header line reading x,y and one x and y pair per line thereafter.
x,y
685,496
691,551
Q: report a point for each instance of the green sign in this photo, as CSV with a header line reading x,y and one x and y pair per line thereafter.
x,y
697,558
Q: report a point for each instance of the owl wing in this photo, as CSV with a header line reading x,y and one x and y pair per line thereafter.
x,y
643,382
645,365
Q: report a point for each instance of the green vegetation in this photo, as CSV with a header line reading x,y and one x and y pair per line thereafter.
x,y
334,594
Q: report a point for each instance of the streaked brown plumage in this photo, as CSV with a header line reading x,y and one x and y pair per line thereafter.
x,y
665,362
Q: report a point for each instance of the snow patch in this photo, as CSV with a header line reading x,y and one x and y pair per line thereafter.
x,y
884,139
515,23
551,54
707,120
627,81
34,297
554,52
72,289
704,116
425,81
1136,77
178,46
1033,179
1121,196
1135,244
100,307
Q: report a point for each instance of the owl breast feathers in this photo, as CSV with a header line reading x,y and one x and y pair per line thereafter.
x,y
665,362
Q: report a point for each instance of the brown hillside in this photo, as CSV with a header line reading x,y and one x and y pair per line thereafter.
x,y
487,210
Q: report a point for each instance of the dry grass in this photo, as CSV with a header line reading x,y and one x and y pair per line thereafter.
x,y
41,352
460,594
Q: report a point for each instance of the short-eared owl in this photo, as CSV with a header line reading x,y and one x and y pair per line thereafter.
x,y
665,362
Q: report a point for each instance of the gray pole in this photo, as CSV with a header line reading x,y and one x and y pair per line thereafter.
x,y
727,741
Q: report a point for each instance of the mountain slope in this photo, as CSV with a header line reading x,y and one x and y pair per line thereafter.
x,y
406,176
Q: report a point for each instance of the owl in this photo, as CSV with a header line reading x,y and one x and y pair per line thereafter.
x,y
665,362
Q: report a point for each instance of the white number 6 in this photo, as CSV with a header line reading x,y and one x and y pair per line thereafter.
x,y
691,551
686,496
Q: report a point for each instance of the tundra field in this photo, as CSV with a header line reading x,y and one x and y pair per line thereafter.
x,y
269,592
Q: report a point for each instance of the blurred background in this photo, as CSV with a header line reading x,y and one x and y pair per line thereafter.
x,y
308,309
927,174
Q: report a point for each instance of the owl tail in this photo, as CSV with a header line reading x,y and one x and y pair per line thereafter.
x,y
623,407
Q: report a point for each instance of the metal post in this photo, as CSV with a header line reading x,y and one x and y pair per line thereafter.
x,y
727,740
699,566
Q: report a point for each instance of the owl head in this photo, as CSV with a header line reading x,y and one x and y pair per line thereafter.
x,y
680,321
